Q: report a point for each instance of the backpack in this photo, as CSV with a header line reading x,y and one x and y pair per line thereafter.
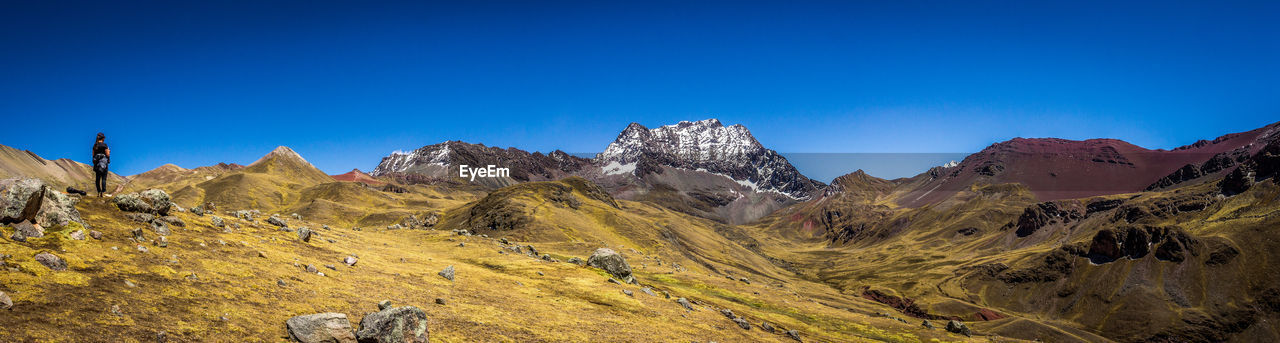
x,y
100,162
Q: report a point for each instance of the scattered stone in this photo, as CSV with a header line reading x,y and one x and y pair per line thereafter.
x,y
28,229
137,235
397,324
162,337
794,335
349,260
330,266
330,240
52,261
462,244
685,302
130,284
312,269
628,293
742,323
95,234
140,217
297,217
728,313
744,280
767,327
648,291
175,221
77,235
32,200
440,301
927,324
115,310
261,254
217,222
541,274
281,283
275,220
504,240
958,327
385,304
162,242
142,248
160,228
304,234
5,302
447,273
612,280
576,260
612,262
152,201
320,328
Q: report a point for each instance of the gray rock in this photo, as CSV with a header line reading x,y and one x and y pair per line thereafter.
x,y
350,260
406,324
137,235
175,221
576,260
648,291
385,304
628,293
742,323
927,324
217,222
162,337
728,313
320,328
440,301
52,261
794,335
281,283
28,229
77,235
245,215
162,242
30,199
312,269
744,280
304,234
685,302
95,234
504,240
275,220
330,266
612,262
160,228
153,201
447,273
297,217
140,217
5,302
767,327
958,327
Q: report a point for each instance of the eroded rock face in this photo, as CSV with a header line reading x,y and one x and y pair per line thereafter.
x,y
394,325
31,199
320,328
1170,243
612,262
1037,216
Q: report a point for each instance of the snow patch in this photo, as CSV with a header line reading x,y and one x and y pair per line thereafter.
x,y
615,168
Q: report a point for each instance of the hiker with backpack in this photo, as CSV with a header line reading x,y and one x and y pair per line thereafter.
x,y
101,158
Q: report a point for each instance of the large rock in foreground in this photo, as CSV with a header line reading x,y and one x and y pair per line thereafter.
x,y
152,201
320,328
612,262
394,325
31,199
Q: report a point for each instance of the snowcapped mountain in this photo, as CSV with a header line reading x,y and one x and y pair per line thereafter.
x,y
443,159
706,146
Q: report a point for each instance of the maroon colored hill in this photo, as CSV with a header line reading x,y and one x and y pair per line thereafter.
x,y
355,175
1055,168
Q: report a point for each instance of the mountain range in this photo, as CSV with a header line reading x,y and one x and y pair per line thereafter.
x,y
1029,239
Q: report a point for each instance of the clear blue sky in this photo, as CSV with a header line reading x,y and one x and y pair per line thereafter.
x,y
344,83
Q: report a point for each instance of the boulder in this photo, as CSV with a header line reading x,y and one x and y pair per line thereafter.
x,y
742,323
275,220
77,235
95,234
406,324
958,327
304,234
217,222
767,327
160,228
685,302
5,302
320,328
794,335
612,262
30,199
52,261
28,229
153,201
447,273
349,260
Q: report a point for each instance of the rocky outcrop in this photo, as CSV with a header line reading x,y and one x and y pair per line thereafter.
x,y
320,328
32,200
394,325
1037,216
612,262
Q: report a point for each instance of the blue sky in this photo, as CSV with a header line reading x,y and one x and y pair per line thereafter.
x,y
344,83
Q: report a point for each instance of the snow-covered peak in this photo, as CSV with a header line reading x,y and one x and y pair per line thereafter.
x,y
951,164
703,140
400,161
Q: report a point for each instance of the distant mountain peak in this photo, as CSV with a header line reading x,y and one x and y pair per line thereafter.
x,y
709,146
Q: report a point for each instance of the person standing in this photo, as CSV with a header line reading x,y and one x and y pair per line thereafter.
x,y
101,158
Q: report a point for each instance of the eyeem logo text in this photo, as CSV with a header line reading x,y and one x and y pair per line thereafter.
x,y
487,171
